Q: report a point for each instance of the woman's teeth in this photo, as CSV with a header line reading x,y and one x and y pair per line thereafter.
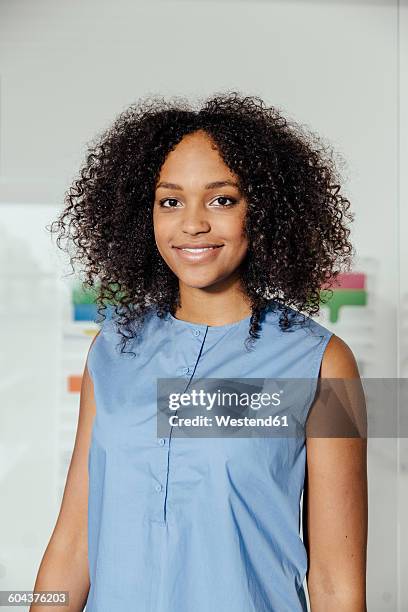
x,y
199,250
198,254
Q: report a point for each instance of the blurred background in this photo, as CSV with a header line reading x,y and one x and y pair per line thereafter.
x,y
67,69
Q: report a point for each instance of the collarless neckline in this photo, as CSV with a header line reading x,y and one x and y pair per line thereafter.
x,y
203,326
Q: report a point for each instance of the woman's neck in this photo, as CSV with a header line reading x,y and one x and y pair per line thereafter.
x,y
212,308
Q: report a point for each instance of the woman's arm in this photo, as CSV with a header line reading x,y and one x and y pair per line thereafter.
x,y
64,566
336,514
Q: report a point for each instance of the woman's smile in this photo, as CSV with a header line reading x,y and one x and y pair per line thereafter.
x,y
197,254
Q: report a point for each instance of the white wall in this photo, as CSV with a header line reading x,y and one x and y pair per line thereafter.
x,y
68,68
403,311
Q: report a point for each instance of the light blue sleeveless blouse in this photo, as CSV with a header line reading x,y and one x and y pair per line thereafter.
x,y
195,524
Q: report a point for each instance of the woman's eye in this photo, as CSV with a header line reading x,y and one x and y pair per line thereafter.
x,y
225,198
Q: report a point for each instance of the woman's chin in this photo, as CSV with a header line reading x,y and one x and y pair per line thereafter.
x,y
199,281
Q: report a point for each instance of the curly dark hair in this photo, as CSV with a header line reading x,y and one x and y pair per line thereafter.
x,y
296,216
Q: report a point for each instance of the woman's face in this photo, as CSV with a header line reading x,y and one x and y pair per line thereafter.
x,y
198,214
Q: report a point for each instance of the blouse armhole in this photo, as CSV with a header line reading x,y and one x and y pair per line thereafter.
x,y
316,370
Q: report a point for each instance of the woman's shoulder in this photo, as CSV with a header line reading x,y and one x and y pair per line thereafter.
x,y
111,323
338,360
301,322
112,331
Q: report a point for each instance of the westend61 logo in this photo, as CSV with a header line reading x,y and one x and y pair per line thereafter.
x,y
255,401
224,406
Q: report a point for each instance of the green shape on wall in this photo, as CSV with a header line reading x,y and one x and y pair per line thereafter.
x,y
83,296
343,297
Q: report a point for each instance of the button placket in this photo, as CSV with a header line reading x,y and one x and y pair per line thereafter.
x,y
159,481
159,487
187,371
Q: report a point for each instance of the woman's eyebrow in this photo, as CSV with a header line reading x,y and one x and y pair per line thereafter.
x,y
214,185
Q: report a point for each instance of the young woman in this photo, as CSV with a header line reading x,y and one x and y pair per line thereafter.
x,y
210,232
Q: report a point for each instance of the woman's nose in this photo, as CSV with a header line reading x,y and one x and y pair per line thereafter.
x,y
195,220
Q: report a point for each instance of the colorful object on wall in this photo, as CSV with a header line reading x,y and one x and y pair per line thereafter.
x,y
83,301
351,291
84,304
84,309
74,384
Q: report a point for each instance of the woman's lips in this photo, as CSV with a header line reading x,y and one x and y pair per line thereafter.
x,y
197,255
